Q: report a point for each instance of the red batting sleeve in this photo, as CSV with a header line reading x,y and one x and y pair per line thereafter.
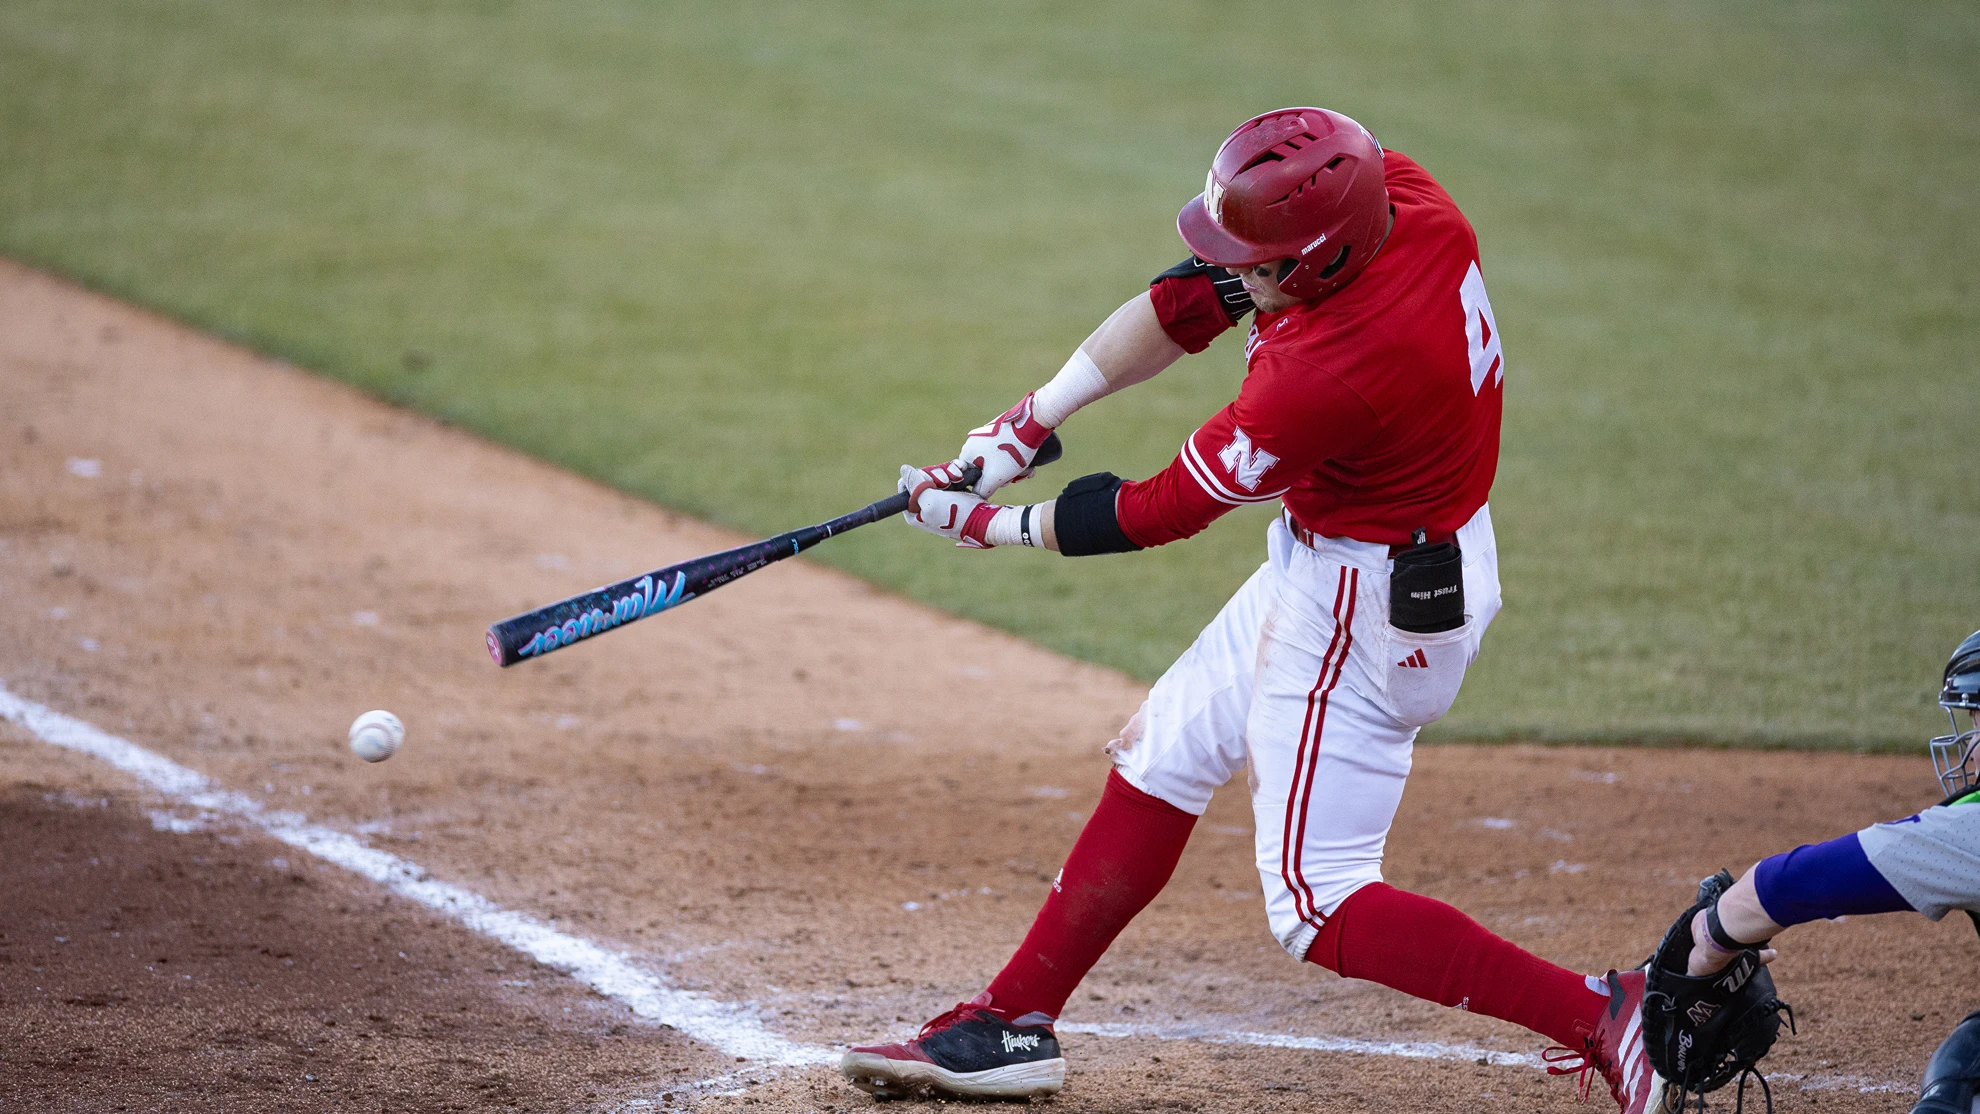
x,y
1288,418
1189,310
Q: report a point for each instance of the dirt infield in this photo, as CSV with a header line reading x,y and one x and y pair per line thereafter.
x,y
223,561
205,971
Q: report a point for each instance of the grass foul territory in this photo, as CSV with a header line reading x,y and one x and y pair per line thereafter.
x,y
747,258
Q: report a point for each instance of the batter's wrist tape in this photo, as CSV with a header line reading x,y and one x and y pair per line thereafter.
x,y
1012,526
1004,528
1085,520
1720,938
1077,384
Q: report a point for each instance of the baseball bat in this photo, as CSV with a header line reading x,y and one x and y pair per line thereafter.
x,y
536,633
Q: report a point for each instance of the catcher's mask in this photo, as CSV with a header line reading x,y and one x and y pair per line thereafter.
x,y
1952,755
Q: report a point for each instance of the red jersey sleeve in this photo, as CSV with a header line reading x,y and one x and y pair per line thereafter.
x,y
1288,417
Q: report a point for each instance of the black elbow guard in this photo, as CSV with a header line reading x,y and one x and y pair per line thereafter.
x,y
1084,517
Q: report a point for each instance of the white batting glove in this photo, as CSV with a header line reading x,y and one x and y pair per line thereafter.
x,y
1004,449
961,516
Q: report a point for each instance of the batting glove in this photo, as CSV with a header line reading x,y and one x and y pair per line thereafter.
x,y
960,516
1005,448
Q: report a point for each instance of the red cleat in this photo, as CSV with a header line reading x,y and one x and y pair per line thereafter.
x,y
1615,1048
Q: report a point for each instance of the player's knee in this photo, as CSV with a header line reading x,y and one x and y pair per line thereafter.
x,y
1296,940
1953,1074
1327,895
1130,736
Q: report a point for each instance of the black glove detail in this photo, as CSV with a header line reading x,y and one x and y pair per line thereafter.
x,y
1701,1032
1084,517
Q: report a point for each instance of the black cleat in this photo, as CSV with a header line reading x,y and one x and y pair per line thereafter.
x,y
969,1052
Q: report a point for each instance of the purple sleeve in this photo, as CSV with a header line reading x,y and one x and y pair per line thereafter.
x,y
1823,880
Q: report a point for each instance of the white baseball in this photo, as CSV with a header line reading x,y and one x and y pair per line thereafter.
x,y
376,735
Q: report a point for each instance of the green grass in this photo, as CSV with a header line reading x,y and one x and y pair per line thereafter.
x,y
744,258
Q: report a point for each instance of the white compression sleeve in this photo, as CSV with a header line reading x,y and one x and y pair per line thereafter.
x,y
1078,383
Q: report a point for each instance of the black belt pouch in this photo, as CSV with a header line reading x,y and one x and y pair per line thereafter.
x,y
1426,589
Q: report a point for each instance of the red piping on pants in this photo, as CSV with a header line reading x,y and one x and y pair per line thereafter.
x,y
1290,868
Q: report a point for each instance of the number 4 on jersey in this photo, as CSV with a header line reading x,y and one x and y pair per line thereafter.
x,y
1481,332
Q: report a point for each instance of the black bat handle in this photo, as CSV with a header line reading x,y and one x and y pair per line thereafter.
x,y
897,503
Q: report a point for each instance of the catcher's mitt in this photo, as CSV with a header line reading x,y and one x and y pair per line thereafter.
x,y
1701,1032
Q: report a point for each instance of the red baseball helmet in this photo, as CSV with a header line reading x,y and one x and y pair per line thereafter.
x,y
1300,183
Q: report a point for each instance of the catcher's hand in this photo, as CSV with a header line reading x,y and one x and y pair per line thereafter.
x,y
1702,1031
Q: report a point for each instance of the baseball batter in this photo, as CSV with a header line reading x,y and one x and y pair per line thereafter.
x,y
1370,409
1928,862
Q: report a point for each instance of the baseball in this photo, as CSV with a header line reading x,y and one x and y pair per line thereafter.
x,y
376,735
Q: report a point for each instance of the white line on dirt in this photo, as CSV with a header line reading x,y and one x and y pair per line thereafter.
x,y
1408,1050
729,1027
726,1085
1425,1050
1861,1083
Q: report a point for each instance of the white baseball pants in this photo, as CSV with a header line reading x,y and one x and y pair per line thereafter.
x,y
1302,678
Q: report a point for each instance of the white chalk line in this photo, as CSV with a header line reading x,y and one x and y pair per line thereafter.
x,y
1408,1050
1426,1050
1862,1083
727,1085
731,1028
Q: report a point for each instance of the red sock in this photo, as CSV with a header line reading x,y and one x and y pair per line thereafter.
x,y
1123,858
1428,949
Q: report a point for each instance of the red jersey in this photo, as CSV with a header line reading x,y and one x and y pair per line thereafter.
x,y
1371,413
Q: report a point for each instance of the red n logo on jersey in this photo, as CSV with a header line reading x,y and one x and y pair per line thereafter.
x,y
1247,465
1481,332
